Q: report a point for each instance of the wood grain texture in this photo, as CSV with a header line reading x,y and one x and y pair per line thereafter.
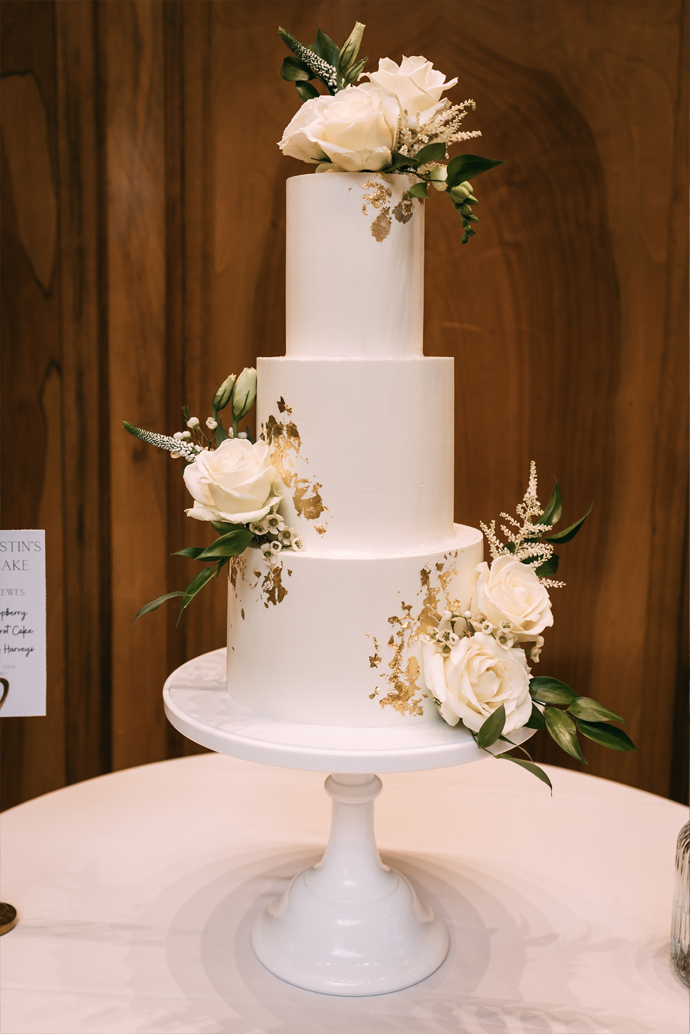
x,y
567,317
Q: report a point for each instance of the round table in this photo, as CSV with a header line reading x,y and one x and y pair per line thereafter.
x,y
137,893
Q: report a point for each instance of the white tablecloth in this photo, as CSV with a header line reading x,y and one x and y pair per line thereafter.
x,y
137,891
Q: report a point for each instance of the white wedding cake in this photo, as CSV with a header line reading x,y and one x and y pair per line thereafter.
x,y
360,426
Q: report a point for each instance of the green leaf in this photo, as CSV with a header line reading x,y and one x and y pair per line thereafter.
x,y
592,711
400,161
529,766
306,92
536,720
419,190
221,433
154,605
293,70
548,568
492,728
232,544
607,735
325,48
562,730
193,552
554,511
431,153
550,691
466,167
223,527
569,533
194,588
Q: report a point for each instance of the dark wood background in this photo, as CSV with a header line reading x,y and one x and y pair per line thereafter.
x,y
143,259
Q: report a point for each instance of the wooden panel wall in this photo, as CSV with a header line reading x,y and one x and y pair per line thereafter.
x,y
143,259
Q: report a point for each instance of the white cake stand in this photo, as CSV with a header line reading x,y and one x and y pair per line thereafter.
x,y
349,925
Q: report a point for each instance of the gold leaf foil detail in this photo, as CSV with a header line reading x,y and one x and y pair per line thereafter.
x,y
403,694
237,568
307,500
320,529
284,441
381,226
375,693
403,211
272,588
375,660
242,613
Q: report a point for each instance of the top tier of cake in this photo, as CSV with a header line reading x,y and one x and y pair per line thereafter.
x,y
355,267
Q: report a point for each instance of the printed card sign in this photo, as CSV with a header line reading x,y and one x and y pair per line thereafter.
x,y
22,623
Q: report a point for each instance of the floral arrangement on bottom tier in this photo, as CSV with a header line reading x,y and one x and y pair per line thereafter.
x,y
476,661
234,485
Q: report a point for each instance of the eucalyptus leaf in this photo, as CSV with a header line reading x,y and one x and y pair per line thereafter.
x,y
306,92
419,190
431,153
536,719
467,166
492,728
155,604
325,48
554,510
607,735
562,730
551,691
569,533
592,711
193,552
293,70
529,766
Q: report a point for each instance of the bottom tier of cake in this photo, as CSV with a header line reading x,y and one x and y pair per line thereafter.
x,y
335,640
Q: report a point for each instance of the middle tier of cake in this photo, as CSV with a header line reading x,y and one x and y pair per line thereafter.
x,y
364,448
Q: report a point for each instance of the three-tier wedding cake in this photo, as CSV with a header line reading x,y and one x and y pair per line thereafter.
x,y
360,427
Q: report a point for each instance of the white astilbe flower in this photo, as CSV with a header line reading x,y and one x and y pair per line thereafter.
x,y
439,124
520,532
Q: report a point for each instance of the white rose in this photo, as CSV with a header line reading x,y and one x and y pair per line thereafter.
x,y
476,678
233,483
356,129
510,591
414,82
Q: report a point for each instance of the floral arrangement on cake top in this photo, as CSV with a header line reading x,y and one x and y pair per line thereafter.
x,y
234,485
476,661
396,122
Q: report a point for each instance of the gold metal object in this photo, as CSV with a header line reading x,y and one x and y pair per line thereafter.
x,y
8,917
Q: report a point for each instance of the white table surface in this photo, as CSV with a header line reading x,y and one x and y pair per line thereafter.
x,y
137,892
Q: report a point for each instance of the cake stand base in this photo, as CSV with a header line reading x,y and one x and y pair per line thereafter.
x,y
350,925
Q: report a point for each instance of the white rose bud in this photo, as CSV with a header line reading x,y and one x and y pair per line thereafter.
x,y
244,395
224,393
438,177
193,421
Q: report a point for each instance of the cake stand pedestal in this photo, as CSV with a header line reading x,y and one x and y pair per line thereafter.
x,y
348,925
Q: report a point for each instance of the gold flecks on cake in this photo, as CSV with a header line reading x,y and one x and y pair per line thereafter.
x,y
375,693
237,568
375,659
307,500
403,210
272,588
403,695
320,530
379,197
257,572
242,613
284,440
